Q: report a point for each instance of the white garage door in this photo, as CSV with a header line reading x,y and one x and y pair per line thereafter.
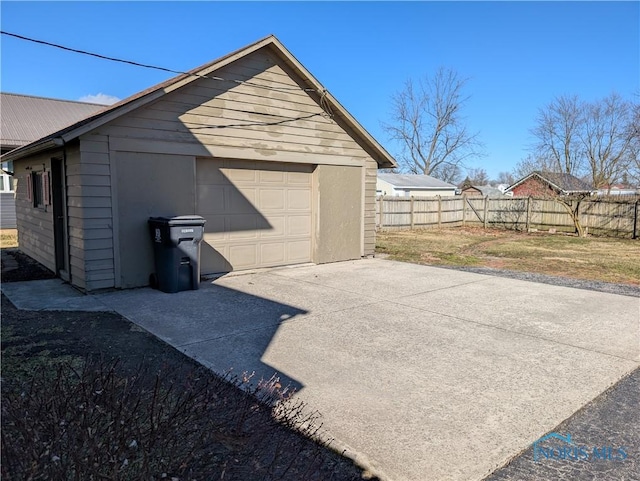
x,y
259,214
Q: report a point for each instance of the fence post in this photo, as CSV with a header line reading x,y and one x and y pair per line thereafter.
x,y
381,205
412,221
439,211
635,221
529,213
464,210
486,210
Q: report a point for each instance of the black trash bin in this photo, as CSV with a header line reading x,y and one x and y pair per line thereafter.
x,y
176,246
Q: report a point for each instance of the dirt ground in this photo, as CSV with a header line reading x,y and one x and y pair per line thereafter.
x,y
37,340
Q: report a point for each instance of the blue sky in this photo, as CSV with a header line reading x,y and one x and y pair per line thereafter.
x,y
517,55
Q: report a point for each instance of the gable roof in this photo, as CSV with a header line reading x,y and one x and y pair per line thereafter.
x,y
316,91
560,181
467,185
414,181
26,118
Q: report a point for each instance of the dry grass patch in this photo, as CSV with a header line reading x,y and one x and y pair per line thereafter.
x,y
593,258
8,238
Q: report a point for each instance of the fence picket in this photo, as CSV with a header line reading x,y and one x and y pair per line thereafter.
x,y
601,216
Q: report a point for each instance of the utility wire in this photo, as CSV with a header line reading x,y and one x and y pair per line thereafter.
x,y
259,124
163,69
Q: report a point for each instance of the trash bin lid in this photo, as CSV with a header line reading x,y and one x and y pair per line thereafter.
x,y
179,220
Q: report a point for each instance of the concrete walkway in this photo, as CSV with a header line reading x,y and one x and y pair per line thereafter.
x,y
421,373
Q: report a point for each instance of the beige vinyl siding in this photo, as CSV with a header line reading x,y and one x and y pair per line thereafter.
x,y
35,225
226,119
172,194
90,214
371,175
339,213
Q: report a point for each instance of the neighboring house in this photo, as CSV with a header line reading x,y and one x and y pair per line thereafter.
x,y
618,189
469,190
543,184
25,118
415,185
252,142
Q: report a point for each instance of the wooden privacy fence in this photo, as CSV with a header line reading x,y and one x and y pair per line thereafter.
x,y
602,216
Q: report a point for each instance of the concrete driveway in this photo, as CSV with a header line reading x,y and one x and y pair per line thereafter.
x,y
420,373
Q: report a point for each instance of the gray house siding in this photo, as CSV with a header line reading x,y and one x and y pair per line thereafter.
x,y
371,175
90,215
8,210
35,224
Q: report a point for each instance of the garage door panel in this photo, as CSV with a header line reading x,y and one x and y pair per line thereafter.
x,y
215,227
242,171
278,227
299,199
273,254
272,199
242,226
259,214
298,178
243,256
299,251
214,259
272,177
299,225
240,202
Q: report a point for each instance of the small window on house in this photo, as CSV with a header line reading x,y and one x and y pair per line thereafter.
x,y
39,189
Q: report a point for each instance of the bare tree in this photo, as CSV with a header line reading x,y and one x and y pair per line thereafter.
x,y
557,135
530,164
478,176
427,122
572,203
506,178
607,138
634,147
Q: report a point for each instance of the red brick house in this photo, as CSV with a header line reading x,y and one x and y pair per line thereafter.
x,y
545,184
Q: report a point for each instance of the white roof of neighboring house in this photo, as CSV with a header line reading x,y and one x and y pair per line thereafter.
x,y
26,118
414,181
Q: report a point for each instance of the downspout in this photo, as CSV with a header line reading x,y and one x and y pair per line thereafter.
x,y
66,207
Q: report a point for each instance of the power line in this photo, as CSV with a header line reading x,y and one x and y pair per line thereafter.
x,y
155,67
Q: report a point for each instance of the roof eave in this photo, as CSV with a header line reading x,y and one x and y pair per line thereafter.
x,y
33,148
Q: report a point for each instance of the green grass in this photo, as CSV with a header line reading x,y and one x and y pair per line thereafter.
x,y
593,258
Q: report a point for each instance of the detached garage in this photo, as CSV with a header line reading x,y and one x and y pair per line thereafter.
x,y
252,142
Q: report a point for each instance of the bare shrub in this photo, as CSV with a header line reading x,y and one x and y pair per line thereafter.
x,y
97,424
512,216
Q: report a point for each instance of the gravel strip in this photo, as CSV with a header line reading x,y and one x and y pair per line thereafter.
x,y
610,288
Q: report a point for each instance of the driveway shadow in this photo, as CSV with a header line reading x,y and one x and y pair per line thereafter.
x,y
224,329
